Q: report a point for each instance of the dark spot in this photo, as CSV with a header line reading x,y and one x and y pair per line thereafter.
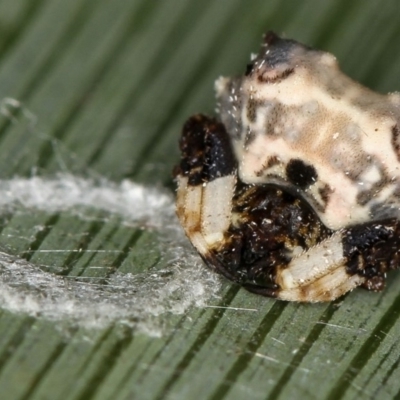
x,y
252,106
249,69
301,174
325,193
276,116
276,79
364,197
396,141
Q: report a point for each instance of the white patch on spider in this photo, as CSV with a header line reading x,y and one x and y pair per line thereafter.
x,y
217,213
315,113
141,301
318,261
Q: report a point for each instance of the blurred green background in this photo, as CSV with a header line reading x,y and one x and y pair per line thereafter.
x,y
109,84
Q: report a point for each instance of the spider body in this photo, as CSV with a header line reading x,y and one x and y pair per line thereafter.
x,y
294,191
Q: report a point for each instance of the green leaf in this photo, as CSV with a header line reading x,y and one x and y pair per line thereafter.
x,y
103,301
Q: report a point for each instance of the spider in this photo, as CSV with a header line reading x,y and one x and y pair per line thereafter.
x,y
293,191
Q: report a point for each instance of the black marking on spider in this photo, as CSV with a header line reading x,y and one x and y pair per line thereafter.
x,y
301,174
206,151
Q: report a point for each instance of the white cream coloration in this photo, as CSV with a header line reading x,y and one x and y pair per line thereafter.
x,y
296,104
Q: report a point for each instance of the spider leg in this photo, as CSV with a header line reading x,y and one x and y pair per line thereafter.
x,y
206,181
318,274
360,255
204,222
